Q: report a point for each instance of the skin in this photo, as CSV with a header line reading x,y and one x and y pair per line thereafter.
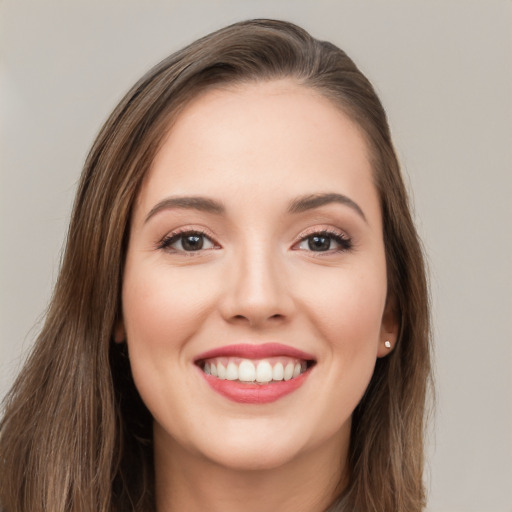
x,y
255,148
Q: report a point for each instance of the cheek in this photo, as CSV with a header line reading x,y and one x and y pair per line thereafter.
x,y
348,306
162,308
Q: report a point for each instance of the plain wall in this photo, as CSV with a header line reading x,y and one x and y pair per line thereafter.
x,y
443,70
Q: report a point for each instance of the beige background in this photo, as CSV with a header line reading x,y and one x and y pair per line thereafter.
x,y
443,69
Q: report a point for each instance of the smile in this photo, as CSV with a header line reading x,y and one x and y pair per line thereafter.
x,y
263,371
255,374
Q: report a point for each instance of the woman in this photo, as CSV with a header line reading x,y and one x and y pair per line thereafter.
x,y
241,317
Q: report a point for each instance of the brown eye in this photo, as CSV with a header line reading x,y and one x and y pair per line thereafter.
x,y
319,243
324,242
190,241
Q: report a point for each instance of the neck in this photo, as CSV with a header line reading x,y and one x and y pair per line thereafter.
x,y
308,483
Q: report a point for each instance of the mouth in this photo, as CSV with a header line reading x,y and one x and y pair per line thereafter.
x,y
249,371
255,373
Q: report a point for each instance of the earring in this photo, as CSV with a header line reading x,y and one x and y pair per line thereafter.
x,y
387,344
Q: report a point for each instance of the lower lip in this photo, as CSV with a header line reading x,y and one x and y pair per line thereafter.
x,y
255,393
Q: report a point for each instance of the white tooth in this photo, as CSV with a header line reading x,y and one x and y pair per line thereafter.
x,y
296,370
278,372
288,371
221,371
232,371
264,372
207,368
246,371
213,370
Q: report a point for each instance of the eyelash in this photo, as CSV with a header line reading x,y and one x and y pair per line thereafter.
x,y
167,242
344,242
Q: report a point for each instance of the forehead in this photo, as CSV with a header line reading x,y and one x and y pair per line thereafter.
x,y
259,137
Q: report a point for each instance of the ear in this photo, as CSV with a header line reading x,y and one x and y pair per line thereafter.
x,y
389,328
119,332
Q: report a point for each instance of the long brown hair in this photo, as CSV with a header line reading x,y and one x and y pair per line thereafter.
x,y
75,435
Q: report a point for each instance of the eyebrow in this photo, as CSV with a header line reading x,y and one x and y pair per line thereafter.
x,y
311,201
203,204
298,205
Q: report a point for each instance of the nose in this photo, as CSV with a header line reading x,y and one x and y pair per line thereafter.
x,y
256,291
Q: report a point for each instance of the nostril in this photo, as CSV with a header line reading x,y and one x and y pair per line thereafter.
x,y
277,316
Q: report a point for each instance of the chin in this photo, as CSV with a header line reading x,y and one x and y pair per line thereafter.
x,y
254,457
253,445
260,446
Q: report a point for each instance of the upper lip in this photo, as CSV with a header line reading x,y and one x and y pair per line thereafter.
x,y
255,351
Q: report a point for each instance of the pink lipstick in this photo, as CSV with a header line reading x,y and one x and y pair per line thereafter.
x,y
255,374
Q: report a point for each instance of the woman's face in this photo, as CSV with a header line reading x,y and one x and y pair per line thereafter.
x,y
254,293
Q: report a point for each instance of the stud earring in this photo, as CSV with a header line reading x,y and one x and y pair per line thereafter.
x,y
387,344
